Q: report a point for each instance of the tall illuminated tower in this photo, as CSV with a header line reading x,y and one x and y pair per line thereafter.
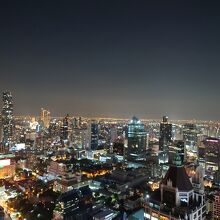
x,y
93,132
190,137
65,128
45,117
7,118
136,139
165,134
165,140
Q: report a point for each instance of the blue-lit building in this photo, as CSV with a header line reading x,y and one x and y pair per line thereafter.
x,y
136,139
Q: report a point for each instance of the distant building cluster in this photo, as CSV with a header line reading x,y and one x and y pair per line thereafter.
x,y
76,168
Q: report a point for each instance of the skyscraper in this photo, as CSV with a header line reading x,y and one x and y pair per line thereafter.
x,y
190,137
65,128
212,155
7,118
165,134
93,130
136,138
54,128
164,140
113,134
45,117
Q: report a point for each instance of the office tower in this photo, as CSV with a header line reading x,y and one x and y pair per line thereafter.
x,y
165,140
54,128
190,137
165,134
136,139
7,118
93,136
212,155
177,132
65,128
81,138
175,199
113,134
45,117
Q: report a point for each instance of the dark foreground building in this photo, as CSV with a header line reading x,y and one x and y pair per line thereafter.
x,y
176,198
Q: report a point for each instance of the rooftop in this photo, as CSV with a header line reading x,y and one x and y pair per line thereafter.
x,y
179,178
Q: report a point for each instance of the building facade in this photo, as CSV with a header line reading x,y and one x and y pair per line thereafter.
x,y
7,118
45,117
216,206
176,197
93,131
136,139
165,134
190,137
212,155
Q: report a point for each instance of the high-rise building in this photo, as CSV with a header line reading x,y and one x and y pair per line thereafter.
x,y
212,155
65,128
81,138
175,199
113,134
136,139
165,134
94,131
190,137
54,128
165,140
7,118
45,117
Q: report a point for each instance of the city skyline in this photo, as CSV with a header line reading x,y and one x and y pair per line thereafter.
x,y
109,110
112,59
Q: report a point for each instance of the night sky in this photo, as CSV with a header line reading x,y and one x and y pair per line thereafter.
x,y
112,58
